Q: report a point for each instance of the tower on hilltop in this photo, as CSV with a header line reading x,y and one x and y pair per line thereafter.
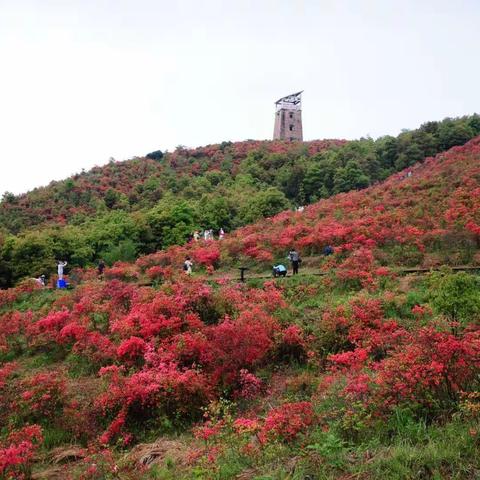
x,y
288,118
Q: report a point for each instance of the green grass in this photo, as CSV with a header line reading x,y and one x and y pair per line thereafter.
x,y
440,452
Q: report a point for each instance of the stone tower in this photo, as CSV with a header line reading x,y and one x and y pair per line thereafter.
x,y
288,118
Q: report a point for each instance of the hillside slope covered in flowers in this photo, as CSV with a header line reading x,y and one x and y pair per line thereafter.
x,y
427,215
126,209
360,373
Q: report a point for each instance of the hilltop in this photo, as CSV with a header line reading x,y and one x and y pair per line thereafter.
x,y
356,374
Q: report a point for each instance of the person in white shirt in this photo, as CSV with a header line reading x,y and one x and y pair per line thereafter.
x,y
60,266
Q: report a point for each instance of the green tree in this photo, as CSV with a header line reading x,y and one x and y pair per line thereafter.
x,y
452,133
171,221
156,155
457,296
349,178
265,203
216,212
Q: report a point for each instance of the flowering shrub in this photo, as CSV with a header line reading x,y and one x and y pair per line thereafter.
x,y
132,349
42,396
208,430
431,371
122,271
238,344
250,385
292,344
208,255
16,455
10,295
287,421
161,389
246,425
421,311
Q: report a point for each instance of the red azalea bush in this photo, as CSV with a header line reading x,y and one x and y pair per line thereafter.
x,y
122,271
250,386
287,421
17,453
209,255
42,395
429,370
292,344
157,389
131,349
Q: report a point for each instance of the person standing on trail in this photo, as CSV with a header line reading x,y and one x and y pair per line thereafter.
x,y
196,236
221,234
187,266
60,266
295,260
100,268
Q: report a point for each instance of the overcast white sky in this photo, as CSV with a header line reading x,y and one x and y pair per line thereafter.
x,y
85,80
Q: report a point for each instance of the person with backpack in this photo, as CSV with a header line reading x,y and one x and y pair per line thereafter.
x,y
295,260
187,266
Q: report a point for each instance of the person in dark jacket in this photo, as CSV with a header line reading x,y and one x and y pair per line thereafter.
x,y
100,268
328,250
295,260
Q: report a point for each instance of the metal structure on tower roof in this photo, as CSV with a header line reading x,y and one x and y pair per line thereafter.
x,y
294,98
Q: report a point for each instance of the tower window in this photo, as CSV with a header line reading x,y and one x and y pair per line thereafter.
x,y
291,128
290,115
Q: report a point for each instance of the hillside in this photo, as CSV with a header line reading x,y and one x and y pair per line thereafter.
x,y
136,183
427,215
360,373
297,169
132,208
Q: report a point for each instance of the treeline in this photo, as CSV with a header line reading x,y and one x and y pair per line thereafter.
x,y
359,163
216,188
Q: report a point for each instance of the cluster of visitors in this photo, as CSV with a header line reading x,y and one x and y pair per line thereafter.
x,y
280,270
207,234
295,261
61,282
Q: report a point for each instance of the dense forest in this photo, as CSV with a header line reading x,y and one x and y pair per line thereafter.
x,y
138,206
